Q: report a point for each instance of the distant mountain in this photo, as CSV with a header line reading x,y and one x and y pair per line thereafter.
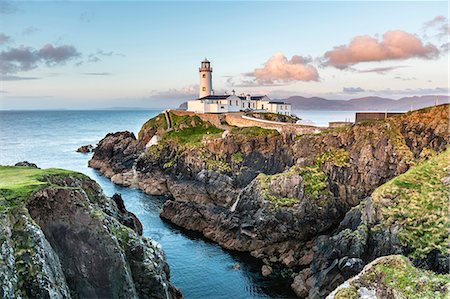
x,y
365,104
183,106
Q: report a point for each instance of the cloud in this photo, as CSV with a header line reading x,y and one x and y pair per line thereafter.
x,y
394,45
16,78
95,57
353,89
239,82
381,70
24,58
4,39
97,74
57,55
411,91
405,78
439,25
184,92
279,69
7,8
86,16
30,30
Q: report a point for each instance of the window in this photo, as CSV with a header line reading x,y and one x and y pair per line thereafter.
x,y
204,75
230,102
237,103
262,107
203,88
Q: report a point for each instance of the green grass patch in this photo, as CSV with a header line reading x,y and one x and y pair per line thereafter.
x,y
411,282
237,158
417,201
347,293
338,157
315,181
254,132
218,165
17,183
157,122
192,135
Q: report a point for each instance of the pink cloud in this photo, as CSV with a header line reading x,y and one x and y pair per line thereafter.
x,y
279,69
394,45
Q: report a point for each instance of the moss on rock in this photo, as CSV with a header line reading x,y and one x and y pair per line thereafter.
x,y
417,202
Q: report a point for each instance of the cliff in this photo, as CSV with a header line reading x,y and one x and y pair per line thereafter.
x,y
280,196
61,237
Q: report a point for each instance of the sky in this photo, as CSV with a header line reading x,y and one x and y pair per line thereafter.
x,y
103,54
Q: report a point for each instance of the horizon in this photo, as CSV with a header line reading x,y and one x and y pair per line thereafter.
x,y
149,59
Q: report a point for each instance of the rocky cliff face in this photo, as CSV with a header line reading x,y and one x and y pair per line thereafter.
x,y
284,198
62,238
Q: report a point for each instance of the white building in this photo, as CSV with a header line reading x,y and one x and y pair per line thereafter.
x,y
210,103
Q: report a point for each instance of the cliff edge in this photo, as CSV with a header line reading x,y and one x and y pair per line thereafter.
x,y
61,237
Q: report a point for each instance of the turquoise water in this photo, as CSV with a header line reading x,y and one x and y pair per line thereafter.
x,y
201,269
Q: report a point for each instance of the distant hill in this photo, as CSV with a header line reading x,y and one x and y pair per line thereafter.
x,y
365,104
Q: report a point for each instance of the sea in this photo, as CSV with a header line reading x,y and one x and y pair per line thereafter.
x,y
199,268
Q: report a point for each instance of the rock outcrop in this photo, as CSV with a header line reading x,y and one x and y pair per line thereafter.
x,y
393,277
89,148
60,237
285,198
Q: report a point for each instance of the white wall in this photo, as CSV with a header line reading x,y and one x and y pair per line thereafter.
x,y
205,83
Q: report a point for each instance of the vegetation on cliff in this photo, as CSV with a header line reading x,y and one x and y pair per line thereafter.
x,y
273,117
394,277
46,213
417,202
18,183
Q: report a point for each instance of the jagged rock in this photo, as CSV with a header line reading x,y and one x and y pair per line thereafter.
x,y
65,239
86,149
295,220
26,164
115,153
384,278
266,270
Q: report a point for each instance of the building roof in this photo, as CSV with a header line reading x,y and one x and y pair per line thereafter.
x,y
206,60
278,102
254,98
215,97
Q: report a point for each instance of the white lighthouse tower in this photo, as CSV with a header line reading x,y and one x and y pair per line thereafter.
x,y
205,71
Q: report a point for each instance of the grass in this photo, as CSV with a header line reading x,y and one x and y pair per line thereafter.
x,y
254,132
156,122
338,157
347,293
264,181
18,183
399,274
237,158
191,135
417,201
395,275
315,181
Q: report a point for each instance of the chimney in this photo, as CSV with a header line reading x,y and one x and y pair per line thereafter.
x,y
234,92
248,97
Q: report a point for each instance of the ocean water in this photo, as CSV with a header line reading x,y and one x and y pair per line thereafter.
x,y
201,269
321,118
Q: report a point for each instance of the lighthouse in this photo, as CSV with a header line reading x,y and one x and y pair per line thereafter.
x,y
205,71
